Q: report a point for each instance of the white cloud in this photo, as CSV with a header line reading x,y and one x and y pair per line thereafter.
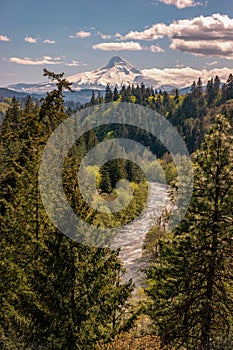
x,y
206,36
75,64
204,48
184,76
157,31
155,48
214,27
104,36
179,65
181,4
4,38
45,60
30,40
118,36
80,35
212,63
128,45
35,62
48,41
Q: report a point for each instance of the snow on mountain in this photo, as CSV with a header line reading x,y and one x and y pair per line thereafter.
x,y
116,72
39,88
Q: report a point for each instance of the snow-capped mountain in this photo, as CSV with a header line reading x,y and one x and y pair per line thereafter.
x,y
116,72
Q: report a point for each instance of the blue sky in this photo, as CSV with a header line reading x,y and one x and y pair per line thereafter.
x,y
175,40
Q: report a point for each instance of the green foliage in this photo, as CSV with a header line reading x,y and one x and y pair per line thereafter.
x,y
55,293
108,94
151,242
186,112
190,281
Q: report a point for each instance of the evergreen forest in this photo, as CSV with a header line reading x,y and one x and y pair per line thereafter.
x,y
58,294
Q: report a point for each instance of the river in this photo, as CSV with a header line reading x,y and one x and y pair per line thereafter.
x,y
130,237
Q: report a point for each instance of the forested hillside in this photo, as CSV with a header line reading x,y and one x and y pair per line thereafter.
x,y
59,294
191,113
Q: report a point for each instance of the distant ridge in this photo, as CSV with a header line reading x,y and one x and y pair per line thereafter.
x,y
5,92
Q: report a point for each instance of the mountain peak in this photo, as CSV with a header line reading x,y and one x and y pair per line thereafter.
x,y
115,60
121,65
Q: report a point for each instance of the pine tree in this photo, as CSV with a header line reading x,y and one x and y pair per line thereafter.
x,y
115,94
228,88
194,89
177,96
93,99
213,90
190,284
108,94
199,87
138,94
123,94
210,95
217,83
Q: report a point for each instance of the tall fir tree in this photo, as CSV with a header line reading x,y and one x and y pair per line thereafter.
x,y
108,94
191,282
